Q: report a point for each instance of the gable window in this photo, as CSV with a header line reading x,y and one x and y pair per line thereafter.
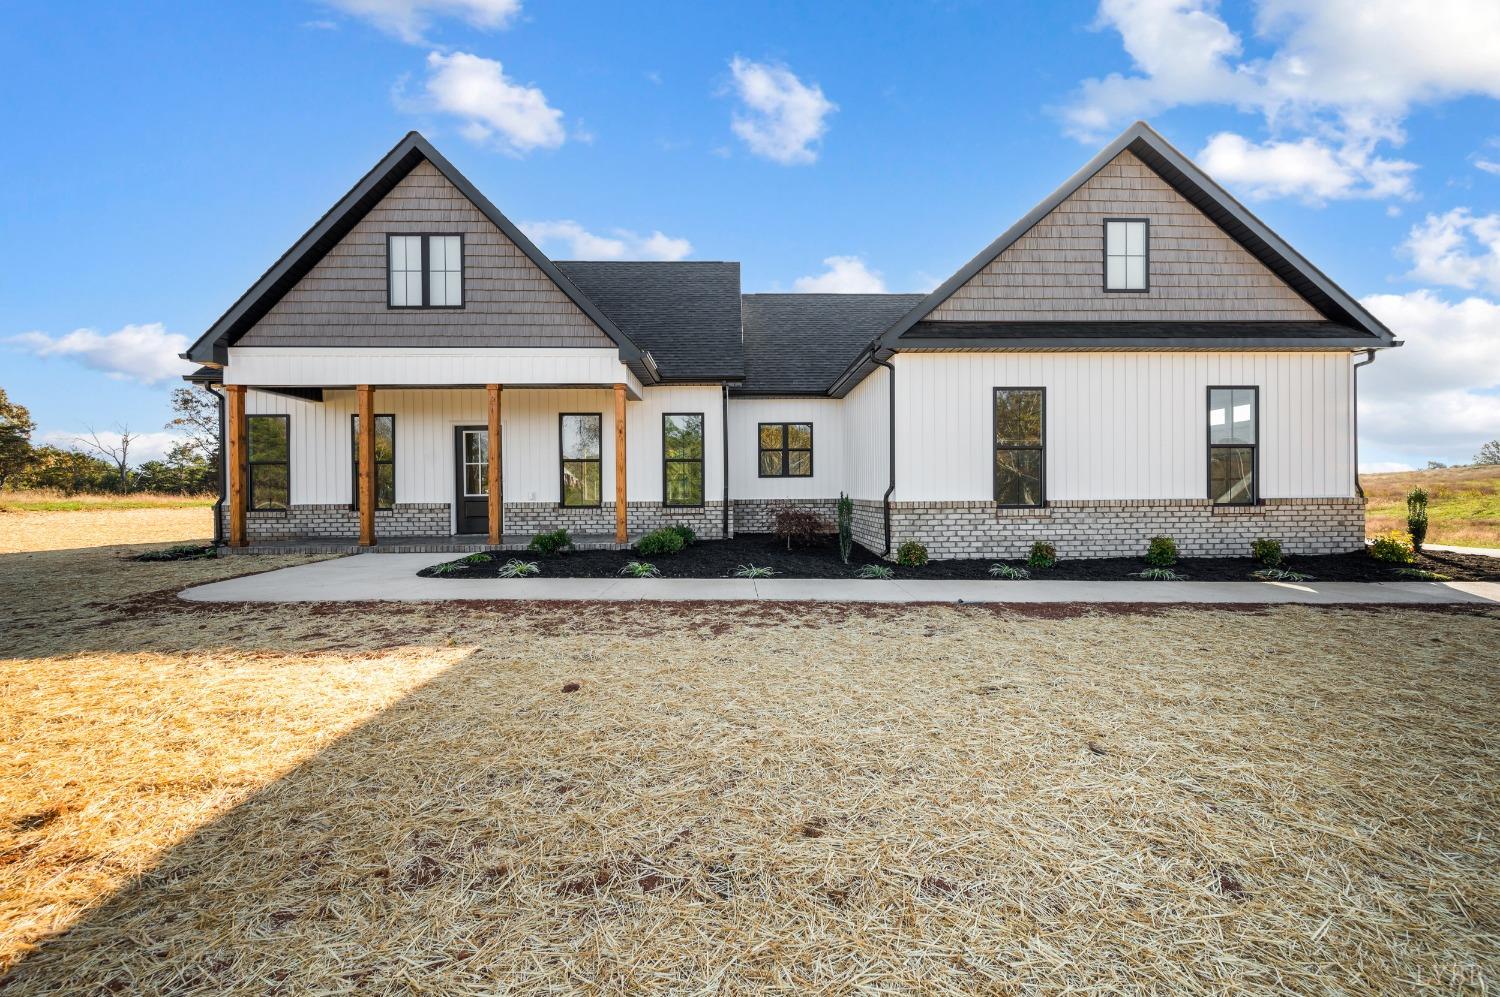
x,y
385,461
425,271
1127,254
786,450
1020,420
268,460
1233,434
682,459
580,442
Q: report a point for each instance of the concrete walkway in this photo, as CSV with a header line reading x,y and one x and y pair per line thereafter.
x,y
394,577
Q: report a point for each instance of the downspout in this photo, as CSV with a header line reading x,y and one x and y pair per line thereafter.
x,y
724,420
223,468
1369,359
891,438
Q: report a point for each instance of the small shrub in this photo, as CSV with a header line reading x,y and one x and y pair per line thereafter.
x,y
1043,555
1421,575
1393,547
1266,551
663,541
640,569
876,571
547,544
751,571
1160,574
1279,575
846,527
516,568
479,557
685,532
911,554
448,568
799,525
1416,517
1009,572
1161,552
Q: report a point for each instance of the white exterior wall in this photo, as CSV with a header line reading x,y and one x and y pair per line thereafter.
x,y
867,422
322,445
829,437
1122,425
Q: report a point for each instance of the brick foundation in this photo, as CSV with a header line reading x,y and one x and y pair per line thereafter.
x,y
416,519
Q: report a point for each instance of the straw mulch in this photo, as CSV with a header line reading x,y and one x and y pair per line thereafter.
x,y
35,531
742,798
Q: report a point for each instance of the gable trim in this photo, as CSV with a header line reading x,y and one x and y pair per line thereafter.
x,y
296,262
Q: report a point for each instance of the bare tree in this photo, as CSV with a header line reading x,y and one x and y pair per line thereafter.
x,y
117,454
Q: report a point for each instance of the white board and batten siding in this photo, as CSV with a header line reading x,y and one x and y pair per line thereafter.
x,y
827,418
867,424
1127,425
426,421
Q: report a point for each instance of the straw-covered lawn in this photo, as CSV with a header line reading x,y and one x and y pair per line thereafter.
x,y
738,798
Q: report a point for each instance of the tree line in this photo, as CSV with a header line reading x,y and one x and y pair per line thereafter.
x,y
101,463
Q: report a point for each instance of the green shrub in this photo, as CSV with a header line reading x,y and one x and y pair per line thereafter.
x,y
1266,551
751,571
1043,555
1009,572
846,526
447,568
1279,575
1160,574
547,544
685,532
479,557
663,541
1416,517
1393,547
876,571
911,554
1161,552
515,568
640,569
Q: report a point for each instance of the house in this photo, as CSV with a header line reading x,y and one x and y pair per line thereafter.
x,y
1138,355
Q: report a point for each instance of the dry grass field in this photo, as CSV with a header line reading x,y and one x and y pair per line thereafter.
x,y
734,798
1463,504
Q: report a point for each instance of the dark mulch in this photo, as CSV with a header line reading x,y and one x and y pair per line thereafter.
x,y
720,558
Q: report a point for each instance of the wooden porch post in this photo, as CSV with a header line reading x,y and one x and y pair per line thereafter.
x,y
496,480
621,533
366,395
236,459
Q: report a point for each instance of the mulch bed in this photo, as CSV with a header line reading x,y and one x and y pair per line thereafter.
x,y
720,558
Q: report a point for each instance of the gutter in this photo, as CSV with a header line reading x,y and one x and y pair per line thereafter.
x,y
724,425
223,470
885,500
1369,359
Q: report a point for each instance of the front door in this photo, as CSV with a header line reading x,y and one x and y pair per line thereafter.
x,y
473,496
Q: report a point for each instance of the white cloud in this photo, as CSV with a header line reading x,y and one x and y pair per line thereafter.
x,y
782,117
1438,396
409,20
1383,467
845,275
143,446
1344,71
1307,169
1458,249
144,353
1488,165
495,109
620,244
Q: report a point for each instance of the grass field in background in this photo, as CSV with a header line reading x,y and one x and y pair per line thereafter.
x,y
50,500
1463,503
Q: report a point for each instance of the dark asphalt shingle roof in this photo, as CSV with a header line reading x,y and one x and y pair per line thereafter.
x,y
686,314
798,343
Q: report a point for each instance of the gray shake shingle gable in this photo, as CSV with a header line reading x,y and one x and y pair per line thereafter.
x,y
1219,279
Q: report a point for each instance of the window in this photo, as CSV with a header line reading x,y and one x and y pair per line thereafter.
x,y
1020,421
786,450
582,482
268,457
476,463
682,459
426,271
1126,254
385,461
1233,430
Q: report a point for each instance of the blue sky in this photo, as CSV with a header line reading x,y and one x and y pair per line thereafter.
x,y
162,156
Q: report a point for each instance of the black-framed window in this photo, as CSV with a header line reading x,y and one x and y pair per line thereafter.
x,y
786,449
1233,445
682,458
1127,254
580,444
1020,446
425,271
268,452
385,460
